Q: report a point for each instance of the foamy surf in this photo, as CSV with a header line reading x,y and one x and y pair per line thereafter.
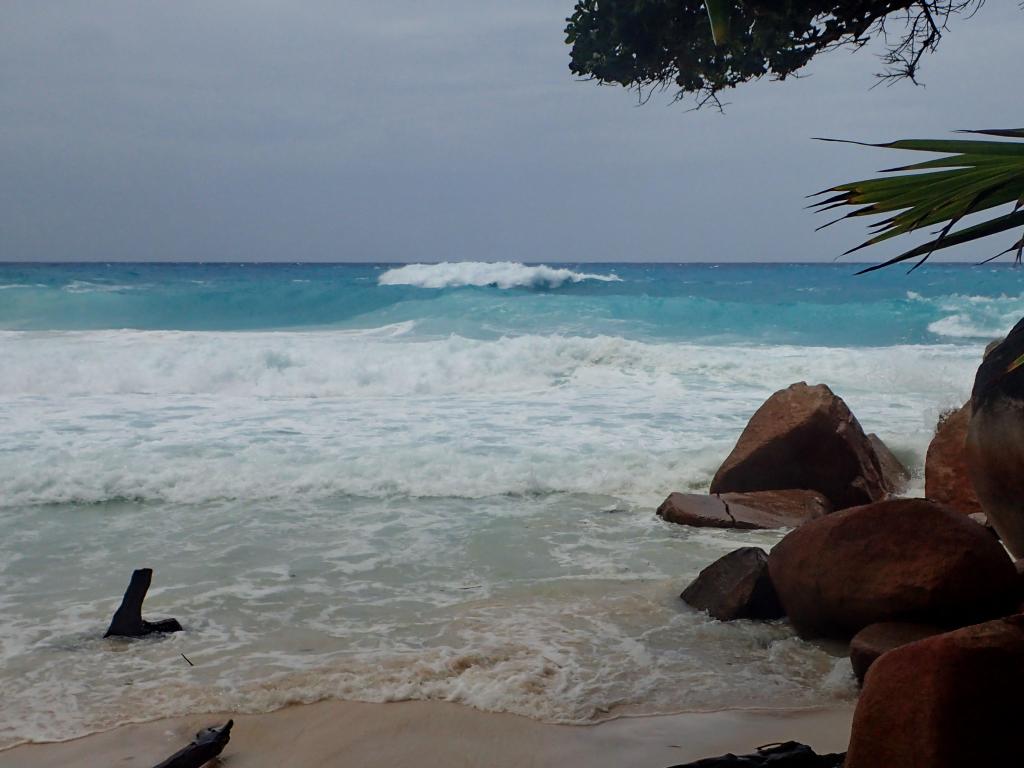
x,y
500,274
391,361
372,609
353,491
380,413
972,316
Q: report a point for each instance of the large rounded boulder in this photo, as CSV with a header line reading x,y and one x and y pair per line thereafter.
x,y
804,437
995,438
949,701
907,560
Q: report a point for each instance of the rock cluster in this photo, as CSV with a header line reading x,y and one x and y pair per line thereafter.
x,y
805,437
802,455
929,598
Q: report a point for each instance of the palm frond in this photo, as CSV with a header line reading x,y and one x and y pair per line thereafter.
x,y
719,12
975,176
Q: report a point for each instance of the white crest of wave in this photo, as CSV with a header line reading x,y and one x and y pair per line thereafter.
x,y
970,316
976,317
85,286
388,362
961,326
502,274
190,417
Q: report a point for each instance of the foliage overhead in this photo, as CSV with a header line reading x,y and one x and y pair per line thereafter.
x,y
701,48
974,176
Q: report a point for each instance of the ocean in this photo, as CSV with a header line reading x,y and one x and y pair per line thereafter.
x,y
384,482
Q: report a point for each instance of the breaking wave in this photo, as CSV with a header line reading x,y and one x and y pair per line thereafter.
x,y
194,417
500,274
388,362
972,317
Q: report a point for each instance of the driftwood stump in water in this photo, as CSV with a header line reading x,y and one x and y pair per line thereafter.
x,y
208,744
790,754
127,621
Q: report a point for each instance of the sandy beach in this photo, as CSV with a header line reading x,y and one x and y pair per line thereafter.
x,y
439,734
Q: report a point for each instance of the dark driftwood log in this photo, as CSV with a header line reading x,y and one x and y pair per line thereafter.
x,y
208,744
127,621
790,754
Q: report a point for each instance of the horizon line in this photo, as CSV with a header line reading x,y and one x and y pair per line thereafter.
x,y
229,262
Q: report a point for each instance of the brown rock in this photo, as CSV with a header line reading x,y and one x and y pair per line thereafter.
x,y
907,560
735,586
946,477
804,437
876,639
995,439
950,701
767,509
894,474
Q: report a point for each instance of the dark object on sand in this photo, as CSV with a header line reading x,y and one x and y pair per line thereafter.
x,y
127,621
209,743
790,754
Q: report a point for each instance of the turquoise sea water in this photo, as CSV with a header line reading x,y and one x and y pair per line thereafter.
x,y
729,303
434,481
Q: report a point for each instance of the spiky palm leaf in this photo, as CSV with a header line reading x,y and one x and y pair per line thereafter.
x,y
975,176
718,14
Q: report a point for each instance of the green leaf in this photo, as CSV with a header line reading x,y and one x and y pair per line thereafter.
x,y
995,226
719,12
1015,364
975,176
1016,133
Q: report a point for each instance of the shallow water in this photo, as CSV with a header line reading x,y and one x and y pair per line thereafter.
x,y
385,491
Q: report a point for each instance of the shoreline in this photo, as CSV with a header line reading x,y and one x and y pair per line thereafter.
x,y
427,733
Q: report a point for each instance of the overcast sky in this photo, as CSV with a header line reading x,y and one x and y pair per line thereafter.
x,y
398,130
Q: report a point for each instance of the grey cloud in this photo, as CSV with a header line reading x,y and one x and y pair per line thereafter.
x,y
399,130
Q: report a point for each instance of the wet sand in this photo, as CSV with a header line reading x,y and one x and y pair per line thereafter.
x,y
424,734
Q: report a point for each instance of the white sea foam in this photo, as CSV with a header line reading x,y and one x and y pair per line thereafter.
x,y
960,326
86,286
387,361
972,317
401,517
502,274
575,642
194,417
